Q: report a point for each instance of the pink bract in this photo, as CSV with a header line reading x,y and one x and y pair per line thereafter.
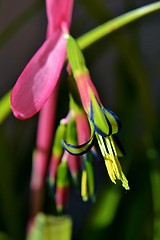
x,y
40,76
85,86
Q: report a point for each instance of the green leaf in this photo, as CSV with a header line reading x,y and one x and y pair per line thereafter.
x,y
3,236
5,108
47,227
116,23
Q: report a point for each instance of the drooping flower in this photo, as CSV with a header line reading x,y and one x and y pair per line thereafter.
x,y
86,143
105,123
76,130
40,76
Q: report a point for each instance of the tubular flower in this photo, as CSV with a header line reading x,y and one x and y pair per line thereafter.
x,y
40,76
83,137
74,129
59,168
104,122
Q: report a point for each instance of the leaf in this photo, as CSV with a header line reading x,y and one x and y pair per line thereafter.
x,y
5,108
116,23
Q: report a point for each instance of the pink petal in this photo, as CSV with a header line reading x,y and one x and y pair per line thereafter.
x,y
39,77
58,11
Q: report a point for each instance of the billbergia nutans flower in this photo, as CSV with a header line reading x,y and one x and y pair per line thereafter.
x,y
74,129
35,90
105,123
39,78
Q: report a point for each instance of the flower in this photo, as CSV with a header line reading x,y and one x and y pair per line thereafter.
x,y
104,122
74,129
40,76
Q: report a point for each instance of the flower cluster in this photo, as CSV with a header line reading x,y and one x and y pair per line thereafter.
x,y
74,129
104,122
73,146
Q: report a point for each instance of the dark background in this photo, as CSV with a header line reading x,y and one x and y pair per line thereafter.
x,y
125,68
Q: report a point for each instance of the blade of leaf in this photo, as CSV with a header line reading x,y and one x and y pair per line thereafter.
x,y
5,108
116,23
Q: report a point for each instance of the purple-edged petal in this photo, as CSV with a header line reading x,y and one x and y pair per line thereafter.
x,y
113,119
101,124
58,12
82,148
78,149
39,77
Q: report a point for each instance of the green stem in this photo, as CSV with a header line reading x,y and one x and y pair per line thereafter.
x,y
116,23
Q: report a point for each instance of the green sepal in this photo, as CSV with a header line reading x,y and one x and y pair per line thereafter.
x,y
59,135
74,106
62,175
75,57
90,175
71,133
73,92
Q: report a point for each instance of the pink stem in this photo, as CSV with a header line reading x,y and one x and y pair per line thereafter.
x,y
41,155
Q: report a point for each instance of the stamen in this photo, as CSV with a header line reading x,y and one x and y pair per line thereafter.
x,y
113,146
84,193
101,144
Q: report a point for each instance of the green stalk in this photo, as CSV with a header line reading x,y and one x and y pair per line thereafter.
x,y
116,23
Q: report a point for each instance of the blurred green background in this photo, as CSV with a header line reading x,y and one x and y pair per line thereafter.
x,y
125,67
